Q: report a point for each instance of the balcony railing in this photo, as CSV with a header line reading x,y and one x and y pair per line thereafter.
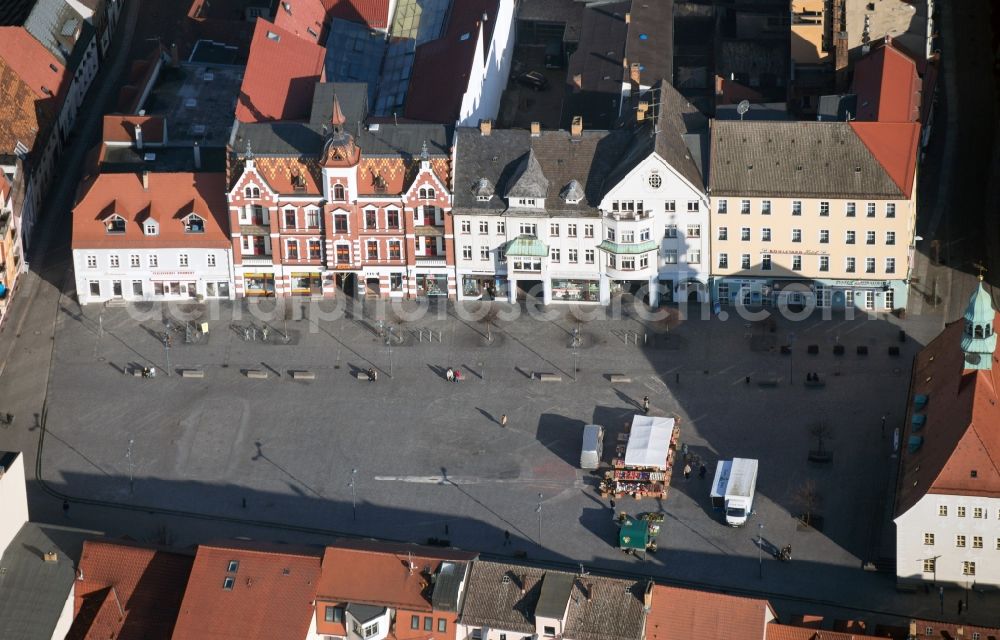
x,y
258,259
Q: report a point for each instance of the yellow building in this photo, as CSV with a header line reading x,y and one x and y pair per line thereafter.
x,y
812,212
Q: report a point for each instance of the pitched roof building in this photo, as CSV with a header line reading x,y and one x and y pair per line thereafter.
x,y
245,594
281,73
686,614
523,601
948,486
887,86
127,591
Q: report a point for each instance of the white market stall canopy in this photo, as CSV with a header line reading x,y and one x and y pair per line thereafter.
x,y
649,442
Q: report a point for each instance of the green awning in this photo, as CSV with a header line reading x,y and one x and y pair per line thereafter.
x,y
628,249
634,534
527,246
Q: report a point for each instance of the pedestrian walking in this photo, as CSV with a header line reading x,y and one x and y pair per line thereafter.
x,y
883,426
457,376
645,404
506,537
612,504
449,375
66,508
702,470
748,379
503,420
687,472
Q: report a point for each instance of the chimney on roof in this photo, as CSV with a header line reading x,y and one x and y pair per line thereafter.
x,y
524,582
913,629
628,17
485,127
145,180
197,155
138,136
576,127
577,81
640,111
590,591
51,557
536,129
175,57
647,596
634,73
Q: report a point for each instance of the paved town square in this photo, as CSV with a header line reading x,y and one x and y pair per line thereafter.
x,y
432,454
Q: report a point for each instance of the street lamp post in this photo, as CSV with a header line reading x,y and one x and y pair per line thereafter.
x,y
760,550
388,344
538,510
128,457
354,494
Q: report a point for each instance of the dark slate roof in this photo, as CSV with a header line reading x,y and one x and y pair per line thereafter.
x,y
650,40
789,159
505,597
162,159
32,591
353,98
500,157
595,69
529,180
364,612
13,13
675,131
448,586
554,596
61,30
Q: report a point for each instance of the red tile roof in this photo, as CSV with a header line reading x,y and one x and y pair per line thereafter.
x,y
895,146
374,13
4,188
23,117
170,197
959,432
281,74
127,591
122,129
377,573
34,63
271,596
304,18
441,68
777,631
686,614
888,86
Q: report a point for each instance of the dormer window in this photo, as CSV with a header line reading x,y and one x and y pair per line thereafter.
x,y
525,202
194,224
482,198
115,224
151,229
338,192
426,193
252,192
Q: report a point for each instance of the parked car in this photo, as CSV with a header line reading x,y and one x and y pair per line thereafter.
x,y
533,79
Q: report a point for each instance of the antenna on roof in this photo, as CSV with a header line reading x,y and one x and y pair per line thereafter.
x,y
982,269
743,107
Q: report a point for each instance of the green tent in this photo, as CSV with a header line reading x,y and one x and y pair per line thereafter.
x,y
634,534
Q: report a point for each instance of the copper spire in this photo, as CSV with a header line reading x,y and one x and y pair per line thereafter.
x,y
337,118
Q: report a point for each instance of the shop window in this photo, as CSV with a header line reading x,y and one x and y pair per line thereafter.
x,y
95,288
395,282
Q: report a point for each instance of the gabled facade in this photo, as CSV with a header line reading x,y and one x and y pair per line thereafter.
x,y
334,204
948,488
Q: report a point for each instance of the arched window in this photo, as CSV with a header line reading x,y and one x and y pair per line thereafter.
x,y
338,192
426,193
252,192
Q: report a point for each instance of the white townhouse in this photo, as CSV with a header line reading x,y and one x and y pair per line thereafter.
x,y
654,207
947,509
525,212
152,236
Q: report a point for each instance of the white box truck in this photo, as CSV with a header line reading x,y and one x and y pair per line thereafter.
x,y
593,446
733,489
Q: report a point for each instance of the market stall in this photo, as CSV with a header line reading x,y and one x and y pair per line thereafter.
x,y
644,459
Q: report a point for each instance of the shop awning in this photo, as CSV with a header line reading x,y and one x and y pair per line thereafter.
x,y
527,246
649,442
627,249
634,534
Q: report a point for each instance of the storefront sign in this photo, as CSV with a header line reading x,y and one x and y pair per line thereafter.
x,y
342,267
860,283
796,252
173,274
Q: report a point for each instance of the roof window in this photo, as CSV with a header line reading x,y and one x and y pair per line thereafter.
x,y
227,584
234,565
273,36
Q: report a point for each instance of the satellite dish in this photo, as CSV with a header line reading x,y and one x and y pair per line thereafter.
x,y
743,107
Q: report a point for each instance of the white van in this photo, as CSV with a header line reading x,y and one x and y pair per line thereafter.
x,y
593,446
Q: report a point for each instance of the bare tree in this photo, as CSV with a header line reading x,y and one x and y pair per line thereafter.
x,y
489,319
807,498
822,431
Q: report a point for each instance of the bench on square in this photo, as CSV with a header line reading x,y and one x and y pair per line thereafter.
x,y
768,382
305,375
548,377
619,378
256,374
192,373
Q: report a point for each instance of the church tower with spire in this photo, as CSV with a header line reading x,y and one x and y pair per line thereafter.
x,y
979,340
339,158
